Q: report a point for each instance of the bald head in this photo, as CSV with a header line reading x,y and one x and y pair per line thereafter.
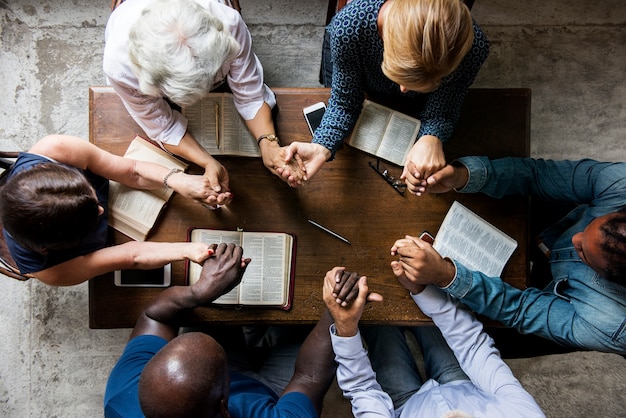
x,y
187,378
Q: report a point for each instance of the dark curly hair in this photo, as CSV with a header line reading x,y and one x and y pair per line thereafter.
x,y
614,246
48,207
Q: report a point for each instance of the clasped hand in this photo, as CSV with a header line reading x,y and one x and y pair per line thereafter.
x,y
345,295
220,272
425,158
309,157
280,162
419,264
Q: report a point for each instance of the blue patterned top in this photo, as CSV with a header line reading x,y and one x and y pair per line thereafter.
x,y
357,55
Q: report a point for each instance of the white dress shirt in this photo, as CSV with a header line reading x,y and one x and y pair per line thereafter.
x,y
492,392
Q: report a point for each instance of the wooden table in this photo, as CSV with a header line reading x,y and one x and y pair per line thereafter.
x,y
346,196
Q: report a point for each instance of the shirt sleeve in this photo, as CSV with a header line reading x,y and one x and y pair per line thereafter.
x,y
475,350
599,184
121,397
357,379
153,114
346,95
245,73
443,106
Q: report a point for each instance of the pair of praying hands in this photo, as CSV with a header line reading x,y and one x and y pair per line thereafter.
x,y
298,162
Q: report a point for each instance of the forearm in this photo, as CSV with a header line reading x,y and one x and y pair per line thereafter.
x,y
148,254
191,150
262,122
531,310
578,182
163,317
344,107
315,366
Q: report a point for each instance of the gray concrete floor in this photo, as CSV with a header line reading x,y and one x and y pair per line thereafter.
x,y
571,54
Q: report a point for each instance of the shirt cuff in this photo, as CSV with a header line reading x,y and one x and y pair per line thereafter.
x,y
477,173
462,282
346,346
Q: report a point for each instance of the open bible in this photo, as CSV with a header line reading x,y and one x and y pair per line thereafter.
x,y
384,132
134,212
269,278
215,123
474,242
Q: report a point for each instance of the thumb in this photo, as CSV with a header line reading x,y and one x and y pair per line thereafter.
x,y
397,269
214,181
364,295
290,151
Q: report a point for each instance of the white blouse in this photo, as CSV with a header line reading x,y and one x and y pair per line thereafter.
x,y
154,115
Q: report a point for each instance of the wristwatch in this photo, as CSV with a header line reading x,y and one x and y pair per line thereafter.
x,y
269,137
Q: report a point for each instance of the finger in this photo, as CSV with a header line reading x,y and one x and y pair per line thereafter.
x,y
398,270
344,288
349,291
237,251
290,151
213,180
337,273
374,297
408,171
220,250
245,262
300,163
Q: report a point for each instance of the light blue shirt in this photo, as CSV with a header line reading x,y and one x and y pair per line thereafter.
x,y
492,392
579,307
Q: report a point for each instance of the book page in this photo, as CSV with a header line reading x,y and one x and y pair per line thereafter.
x,y
210,236
217,125
370,127
236,137
135,208
203,122
399,138
469,239
266,278
134,212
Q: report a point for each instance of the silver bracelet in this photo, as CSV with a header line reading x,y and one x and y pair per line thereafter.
x,y
167,176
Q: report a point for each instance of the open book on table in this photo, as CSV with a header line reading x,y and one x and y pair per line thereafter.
x,y
215,123
384,132
269,278
469,239
134,212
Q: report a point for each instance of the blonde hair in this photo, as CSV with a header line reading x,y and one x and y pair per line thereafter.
x,y
176,48
424,41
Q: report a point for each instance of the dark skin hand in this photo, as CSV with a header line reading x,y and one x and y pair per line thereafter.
x,y
220,273
347,314
345,289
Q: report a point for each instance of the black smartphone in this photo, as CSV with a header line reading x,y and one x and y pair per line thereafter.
x,y
313,115
159,277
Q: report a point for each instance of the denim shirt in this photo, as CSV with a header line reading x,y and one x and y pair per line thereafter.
x,y
578,307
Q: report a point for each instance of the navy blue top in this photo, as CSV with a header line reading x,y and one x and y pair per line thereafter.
x,y
248,397
29,261
357,55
